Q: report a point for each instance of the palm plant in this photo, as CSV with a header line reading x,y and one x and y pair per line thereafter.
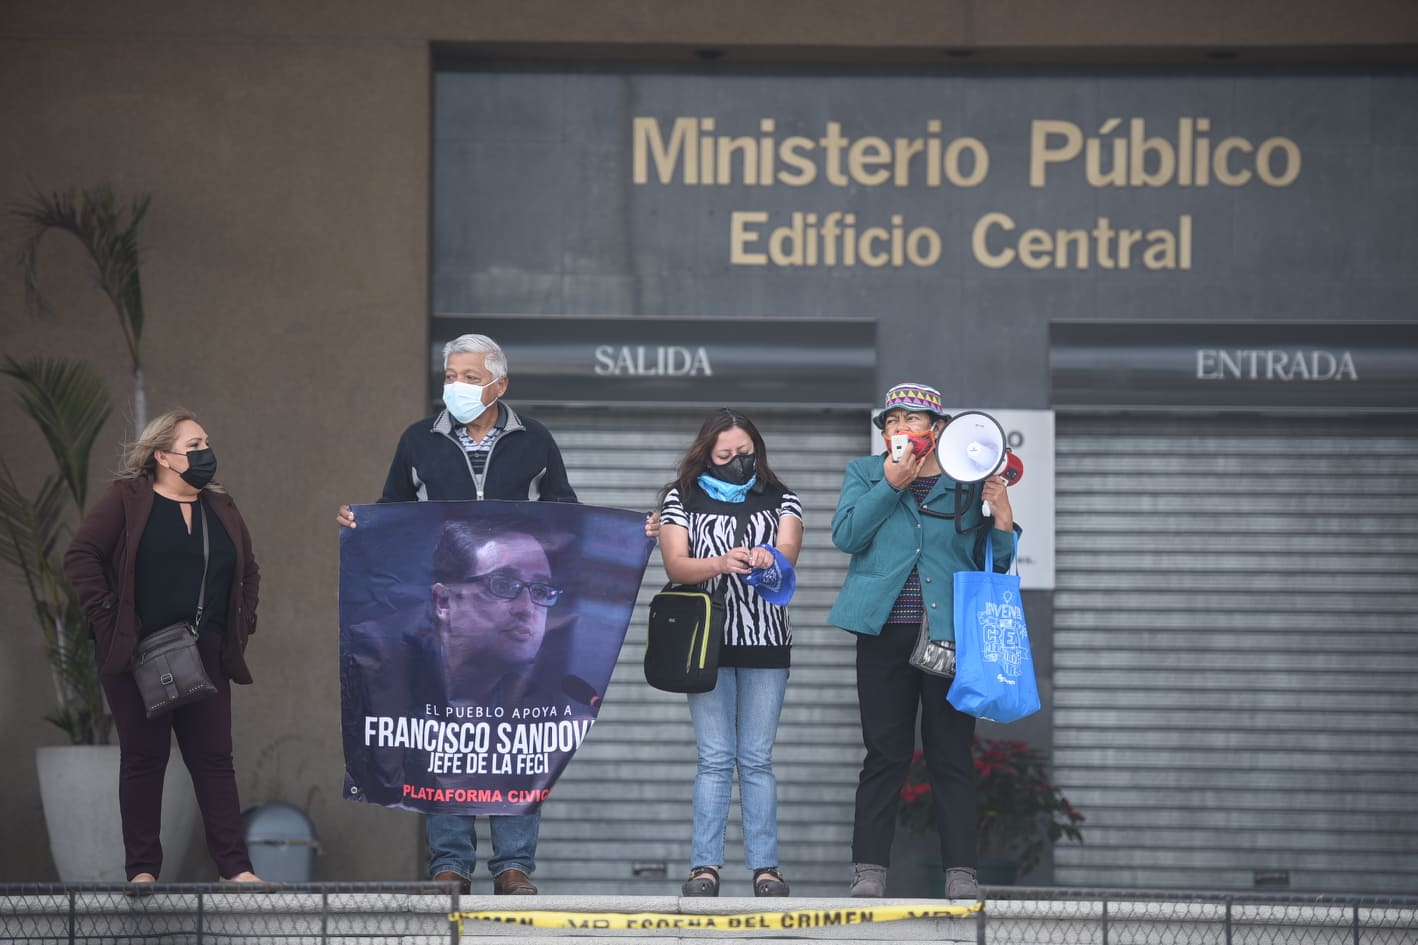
x,y
68,402
108,231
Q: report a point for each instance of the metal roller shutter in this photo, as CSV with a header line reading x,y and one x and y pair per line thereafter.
x,y
623,804
1235,651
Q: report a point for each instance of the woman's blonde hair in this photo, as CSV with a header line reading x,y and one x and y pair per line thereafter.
x,y
139,457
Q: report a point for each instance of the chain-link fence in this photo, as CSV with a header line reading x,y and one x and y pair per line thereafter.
x,y
120,914
1050,916
418,913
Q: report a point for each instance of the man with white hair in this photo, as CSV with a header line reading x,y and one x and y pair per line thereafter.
x,y
477,448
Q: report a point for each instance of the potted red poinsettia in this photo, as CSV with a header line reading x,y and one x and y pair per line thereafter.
x,y
1020,812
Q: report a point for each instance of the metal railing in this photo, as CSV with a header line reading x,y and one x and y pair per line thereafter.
x,y
416,913
1079,916
227,913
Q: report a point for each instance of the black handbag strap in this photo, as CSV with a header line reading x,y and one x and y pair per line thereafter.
x,y
206,552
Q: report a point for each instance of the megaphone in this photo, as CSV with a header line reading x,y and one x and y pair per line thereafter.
x,y
971,449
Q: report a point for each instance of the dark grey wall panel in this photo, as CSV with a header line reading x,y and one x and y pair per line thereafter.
x,y
1234,651
535,213
536,210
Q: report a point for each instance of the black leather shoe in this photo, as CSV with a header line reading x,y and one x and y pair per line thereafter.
x,y
703,881
769,882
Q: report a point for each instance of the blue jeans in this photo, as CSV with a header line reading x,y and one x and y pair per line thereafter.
x,y
735,725
453,845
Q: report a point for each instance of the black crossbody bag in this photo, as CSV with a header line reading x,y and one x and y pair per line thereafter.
x,y
686,632
167,666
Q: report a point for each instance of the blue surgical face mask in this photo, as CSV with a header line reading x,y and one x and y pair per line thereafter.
x,y
725,491
464,401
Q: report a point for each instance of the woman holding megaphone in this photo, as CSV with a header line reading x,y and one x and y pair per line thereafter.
x,y
903,522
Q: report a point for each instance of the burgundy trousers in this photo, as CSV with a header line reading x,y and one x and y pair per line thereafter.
x,y
203,732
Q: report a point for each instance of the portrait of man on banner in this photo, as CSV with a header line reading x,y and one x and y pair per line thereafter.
x,y
476,643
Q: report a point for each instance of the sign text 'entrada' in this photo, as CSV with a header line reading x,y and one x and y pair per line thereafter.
x,y
1272,364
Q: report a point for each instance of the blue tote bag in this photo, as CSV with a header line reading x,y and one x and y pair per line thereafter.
x,y
994,670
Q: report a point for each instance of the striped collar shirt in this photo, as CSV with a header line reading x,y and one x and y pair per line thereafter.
x,y
477,450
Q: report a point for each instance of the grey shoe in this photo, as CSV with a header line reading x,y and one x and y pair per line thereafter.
x,y
868,881
960,884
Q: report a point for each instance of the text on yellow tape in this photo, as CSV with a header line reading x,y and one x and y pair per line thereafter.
x,y
795,919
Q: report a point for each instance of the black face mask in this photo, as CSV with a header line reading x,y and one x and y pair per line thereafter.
x,y
737,471
201,467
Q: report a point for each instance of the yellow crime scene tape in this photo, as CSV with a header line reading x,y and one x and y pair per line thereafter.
x,y
793,919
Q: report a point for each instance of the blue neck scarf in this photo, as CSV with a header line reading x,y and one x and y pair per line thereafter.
x,y
725,491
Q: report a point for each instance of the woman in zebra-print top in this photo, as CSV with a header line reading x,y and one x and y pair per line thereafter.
x,y
718,518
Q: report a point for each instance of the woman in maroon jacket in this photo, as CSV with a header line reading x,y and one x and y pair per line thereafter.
x,y
136,562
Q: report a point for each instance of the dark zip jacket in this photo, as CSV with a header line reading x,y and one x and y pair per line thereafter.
x,y
430,464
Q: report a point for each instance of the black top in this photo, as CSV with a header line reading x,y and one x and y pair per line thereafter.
x,y
169,568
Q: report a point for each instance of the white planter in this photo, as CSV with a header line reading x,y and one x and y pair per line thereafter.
x,y
79,790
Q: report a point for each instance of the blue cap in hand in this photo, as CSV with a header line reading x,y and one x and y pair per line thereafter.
x,y
775,583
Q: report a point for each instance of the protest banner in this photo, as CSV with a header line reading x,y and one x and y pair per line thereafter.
x,y
476,643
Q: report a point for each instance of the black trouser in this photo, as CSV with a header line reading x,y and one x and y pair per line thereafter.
x,y
204,736
890,692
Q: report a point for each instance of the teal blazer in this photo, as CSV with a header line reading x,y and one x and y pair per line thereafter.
x,y
886,534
